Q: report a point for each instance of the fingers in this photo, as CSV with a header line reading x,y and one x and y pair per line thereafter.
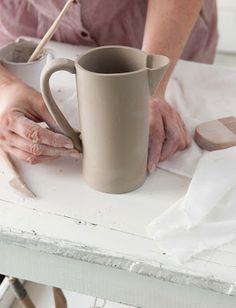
x,y
35,108
169,148
31,159
45,114
32,132
177,137
21,108
37,149
168,133
28,141
154,155
156,137
186,133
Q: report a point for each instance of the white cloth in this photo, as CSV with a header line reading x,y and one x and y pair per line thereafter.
x,y
205,217
200,93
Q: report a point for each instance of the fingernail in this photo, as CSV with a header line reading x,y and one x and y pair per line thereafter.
x,y
69,146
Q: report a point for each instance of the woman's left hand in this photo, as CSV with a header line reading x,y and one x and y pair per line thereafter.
x,y
168,133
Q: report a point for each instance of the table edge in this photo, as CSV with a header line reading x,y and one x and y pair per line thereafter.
x,y
95,255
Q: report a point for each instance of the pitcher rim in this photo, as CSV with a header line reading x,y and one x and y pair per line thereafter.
x,y
79,57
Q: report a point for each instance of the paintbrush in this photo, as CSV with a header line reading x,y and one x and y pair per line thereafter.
x,y
16,182
38,51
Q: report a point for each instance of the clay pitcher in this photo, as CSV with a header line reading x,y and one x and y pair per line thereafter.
x,y
114,87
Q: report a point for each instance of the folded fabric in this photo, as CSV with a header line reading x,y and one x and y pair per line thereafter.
x,y
205,217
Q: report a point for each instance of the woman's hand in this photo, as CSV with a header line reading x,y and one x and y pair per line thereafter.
x,y
21,108
167,30
167,135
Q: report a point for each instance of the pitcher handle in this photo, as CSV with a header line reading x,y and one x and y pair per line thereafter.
x,y
52,67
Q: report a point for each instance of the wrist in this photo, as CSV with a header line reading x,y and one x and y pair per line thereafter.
x,y
160,92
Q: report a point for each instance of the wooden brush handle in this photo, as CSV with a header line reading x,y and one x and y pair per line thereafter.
x,y
9,162
16,182
50,32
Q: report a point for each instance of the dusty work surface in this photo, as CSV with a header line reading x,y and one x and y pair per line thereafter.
x,y
71,220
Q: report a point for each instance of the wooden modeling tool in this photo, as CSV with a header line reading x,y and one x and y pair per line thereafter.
x,y
16,182
38,51
59,298
216,135
20,293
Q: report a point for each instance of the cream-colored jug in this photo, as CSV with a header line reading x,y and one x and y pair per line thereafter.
x,y
114,86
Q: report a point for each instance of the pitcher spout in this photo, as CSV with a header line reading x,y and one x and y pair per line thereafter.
x,y
156,66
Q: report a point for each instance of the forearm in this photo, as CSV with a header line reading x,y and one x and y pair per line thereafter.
x,y
168,26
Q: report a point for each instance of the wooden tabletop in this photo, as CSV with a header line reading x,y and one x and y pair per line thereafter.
x,y
70,227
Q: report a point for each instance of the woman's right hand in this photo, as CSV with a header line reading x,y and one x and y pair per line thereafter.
x,y
21,109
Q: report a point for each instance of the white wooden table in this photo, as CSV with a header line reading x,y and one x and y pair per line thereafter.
x,y
94,243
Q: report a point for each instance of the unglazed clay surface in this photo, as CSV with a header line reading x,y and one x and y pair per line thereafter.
x,y
114,86
14,57
17,52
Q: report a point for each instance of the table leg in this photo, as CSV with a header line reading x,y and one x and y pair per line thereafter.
x,y
20,293
59,298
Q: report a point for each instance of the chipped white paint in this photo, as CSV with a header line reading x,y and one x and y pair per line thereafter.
x,y
79,239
